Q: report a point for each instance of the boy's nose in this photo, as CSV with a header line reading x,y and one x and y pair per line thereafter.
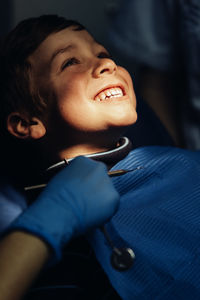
x,y
103,67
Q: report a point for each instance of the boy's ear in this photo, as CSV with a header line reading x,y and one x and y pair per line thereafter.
x,y
23,128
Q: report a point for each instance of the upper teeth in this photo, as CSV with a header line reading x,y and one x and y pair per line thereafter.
x,y
109,93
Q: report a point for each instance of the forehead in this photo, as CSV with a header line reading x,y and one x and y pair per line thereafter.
x,y
57,42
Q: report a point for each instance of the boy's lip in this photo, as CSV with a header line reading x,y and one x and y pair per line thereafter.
x,y
114,86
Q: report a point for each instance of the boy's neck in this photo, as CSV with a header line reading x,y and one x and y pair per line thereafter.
x,y
71,149
110,157
78,150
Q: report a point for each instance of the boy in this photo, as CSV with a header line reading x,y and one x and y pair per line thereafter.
x,y
62,83
62,96
64,42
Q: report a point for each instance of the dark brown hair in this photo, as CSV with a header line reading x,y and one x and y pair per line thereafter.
x,y
15,70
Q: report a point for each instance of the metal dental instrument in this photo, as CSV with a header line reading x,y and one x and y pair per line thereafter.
x,y
114,173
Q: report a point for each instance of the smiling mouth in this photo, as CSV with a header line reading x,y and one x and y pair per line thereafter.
x,y
109,93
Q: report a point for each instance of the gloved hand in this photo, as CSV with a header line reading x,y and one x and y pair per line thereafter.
x,y
79,197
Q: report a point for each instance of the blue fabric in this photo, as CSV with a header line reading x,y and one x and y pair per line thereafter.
x,y
12,204
159,218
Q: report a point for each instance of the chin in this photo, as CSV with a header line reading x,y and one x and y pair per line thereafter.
x,y
126,119
119,128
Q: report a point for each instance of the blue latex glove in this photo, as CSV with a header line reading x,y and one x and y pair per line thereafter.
x,y
79,197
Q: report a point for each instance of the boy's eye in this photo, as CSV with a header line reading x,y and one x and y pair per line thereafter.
x,y
69,62
104,54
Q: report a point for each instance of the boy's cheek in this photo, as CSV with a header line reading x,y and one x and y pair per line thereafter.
x,y
70,88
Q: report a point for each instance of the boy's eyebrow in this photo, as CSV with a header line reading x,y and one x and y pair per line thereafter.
x,y
61,50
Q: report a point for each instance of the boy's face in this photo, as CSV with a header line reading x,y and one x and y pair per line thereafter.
x,y
92,93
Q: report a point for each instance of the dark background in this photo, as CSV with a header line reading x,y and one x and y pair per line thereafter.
x,y
92,13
